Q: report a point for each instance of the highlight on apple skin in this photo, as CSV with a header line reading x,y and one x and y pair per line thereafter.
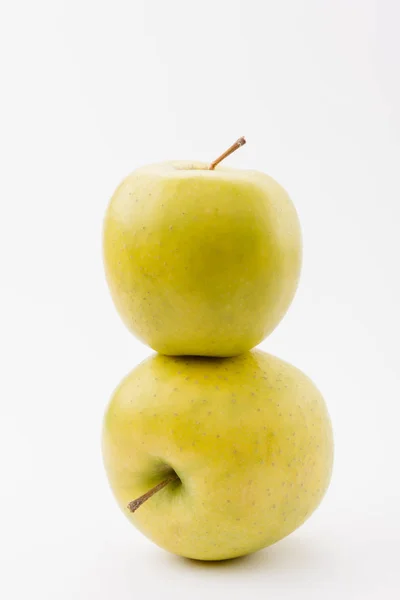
x,y
244,443
199,261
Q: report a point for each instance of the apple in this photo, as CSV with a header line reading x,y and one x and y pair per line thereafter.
x,y
226,455
201,261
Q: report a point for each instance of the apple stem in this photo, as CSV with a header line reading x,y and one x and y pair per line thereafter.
x,y
240,142
135,504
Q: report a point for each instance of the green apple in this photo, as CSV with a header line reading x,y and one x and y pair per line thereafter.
x,y
199,261
248,440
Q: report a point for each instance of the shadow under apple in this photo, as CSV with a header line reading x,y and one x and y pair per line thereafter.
x,y
294,553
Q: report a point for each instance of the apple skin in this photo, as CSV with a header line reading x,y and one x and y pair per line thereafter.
x,y
249,437
201,262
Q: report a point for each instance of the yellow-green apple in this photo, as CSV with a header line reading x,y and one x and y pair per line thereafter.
x,y
201,261
240,450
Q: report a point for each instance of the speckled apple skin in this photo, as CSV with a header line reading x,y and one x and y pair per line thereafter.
x,y
201,262
249,437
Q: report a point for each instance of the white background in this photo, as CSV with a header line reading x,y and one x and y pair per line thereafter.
x,y
89,91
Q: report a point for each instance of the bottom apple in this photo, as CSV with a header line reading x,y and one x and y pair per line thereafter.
x,y
242,448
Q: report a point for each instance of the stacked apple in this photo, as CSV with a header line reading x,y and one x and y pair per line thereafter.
x,y
212,450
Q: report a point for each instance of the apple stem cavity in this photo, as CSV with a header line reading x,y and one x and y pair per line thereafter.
x,y
135,504
240,142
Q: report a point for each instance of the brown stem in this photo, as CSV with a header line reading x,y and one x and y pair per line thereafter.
x,y
135,504
240,142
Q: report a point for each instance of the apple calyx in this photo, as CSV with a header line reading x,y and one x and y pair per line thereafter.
x,y
240,142
135,504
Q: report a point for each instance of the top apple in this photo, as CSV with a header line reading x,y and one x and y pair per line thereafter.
x,y
199,261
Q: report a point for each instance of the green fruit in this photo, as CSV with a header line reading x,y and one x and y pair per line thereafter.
x,y
201,262
249,437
